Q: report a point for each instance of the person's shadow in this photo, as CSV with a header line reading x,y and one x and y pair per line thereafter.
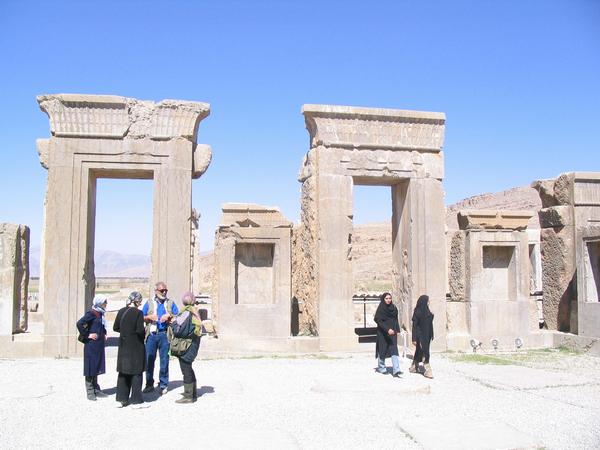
x,y
155,395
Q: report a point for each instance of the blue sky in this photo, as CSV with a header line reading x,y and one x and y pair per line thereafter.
x,y
519,81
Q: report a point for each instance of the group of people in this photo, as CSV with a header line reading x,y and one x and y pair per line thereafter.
x,y
388,328
142,334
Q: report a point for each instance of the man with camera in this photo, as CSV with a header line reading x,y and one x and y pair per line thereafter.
x,y
158,313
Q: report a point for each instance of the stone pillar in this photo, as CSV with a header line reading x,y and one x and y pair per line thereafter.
x,y
336,316
428,250
95,136
14,278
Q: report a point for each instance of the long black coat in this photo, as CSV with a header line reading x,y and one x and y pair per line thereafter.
x,y
131,359
93,351
386,345
422,329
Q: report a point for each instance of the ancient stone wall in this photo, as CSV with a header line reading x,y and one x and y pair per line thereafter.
x,y
14,278
570,233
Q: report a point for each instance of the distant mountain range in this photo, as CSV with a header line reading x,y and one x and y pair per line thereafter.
x,y
107,264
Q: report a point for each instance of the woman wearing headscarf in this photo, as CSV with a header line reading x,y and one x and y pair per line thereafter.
x,y
92,328
131,359
422,335
386,318
187,358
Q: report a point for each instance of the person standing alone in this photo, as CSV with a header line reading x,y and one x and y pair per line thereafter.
x,y
158,312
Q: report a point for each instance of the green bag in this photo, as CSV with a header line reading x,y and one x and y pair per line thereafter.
x,y
179,346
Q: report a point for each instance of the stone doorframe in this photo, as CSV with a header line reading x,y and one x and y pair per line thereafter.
x,y
364,146
98,136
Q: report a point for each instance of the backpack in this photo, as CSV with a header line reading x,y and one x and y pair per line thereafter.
x,y
182,325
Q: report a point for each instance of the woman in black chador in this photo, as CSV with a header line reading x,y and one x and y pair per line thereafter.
x,y
131,359
422,335
386,318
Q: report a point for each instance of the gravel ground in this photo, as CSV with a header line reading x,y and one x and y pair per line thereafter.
x,y
531,400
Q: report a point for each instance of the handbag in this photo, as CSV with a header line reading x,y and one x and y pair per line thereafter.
x,y
179,346
83,338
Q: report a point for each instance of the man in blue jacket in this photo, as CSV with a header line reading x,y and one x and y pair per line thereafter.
x,y
158,313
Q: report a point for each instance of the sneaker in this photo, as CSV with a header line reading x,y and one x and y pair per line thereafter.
x,y
163,390
381,371
149,388
397,374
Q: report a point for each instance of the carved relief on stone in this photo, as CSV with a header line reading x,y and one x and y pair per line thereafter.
x,y
111,116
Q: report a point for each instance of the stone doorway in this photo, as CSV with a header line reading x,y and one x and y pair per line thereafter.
x,y
97,137
380,147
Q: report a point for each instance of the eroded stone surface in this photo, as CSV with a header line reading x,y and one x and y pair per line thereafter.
x,y
14,278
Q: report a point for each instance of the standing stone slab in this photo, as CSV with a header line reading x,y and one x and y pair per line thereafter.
x,y
112,137
14,278
252,305
489,280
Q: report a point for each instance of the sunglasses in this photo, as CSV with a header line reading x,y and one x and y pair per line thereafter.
x,y
163,291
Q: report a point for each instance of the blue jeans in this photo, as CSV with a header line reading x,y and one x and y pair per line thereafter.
x,y
158,342
395,365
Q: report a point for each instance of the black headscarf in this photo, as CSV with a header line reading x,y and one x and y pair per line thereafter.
x,y
386,312
422,309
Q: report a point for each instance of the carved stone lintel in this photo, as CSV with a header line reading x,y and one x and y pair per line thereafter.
x,y
114,117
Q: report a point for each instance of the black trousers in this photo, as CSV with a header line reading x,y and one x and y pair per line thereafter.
x,y
129,384
421,353
188,373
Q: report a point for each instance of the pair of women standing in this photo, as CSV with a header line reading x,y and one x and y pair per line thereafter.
x,y
386,318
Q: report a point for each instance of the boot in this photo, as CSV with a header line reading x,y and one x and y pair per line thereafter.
x,y
97,389
428,372
89,389
188,394
194,391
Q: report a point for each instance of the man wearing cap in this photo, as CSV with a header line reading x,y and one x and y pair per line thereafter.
x,y
131,359
158,312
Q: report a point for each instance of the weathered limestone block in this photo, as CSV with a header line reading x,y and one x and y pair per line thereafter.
x,y
304,264
558,273
556,216
546,190
102,116
457,273
493,219
568,250
14,278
